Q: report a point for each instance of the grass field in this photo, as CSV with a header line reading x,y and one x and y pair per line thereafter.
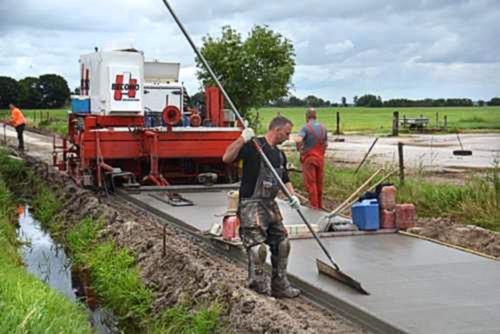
x,y
360,120
379,120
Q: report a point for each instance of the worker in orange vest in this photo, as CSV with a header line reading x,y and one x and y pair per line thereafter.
x,y
19,123
311,142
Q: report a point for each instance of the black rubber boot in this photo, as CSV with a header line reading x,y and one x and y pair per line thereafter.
x,y
280,286
256,275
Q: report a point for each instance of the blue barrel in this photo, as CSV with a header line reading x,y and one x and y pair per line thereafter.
x,y
365,215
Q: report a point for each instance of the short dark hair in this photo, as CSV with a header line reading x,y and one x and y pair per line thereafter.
x,y
311,113
279,122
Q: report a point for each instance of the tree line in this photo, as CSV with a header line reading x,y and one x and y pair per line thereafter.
x,y
373,101
45,92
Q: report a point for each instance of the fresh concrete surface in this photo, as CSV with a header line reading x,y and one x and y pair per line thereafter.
x,y
415,285
210,207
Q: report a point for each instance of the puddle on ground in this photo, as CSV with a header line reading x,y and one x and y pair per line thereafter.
x,y
47,260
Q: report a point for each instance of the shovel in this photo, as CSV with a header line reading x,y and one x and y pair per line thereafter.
x,y
334,272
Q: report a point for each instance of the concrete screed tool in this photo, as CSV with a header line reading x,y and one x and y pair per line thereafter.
x,y
333,272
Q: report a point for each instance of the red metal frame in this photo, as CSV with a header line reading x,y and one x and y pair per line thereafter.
x,y
106,143
214,100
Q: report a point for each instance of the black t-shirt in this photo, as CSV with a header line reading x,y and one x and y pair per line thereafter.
x,y
251,164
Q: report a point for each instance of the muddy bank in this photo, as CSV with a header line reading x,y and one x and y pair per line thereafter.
x,y
188,273
469,236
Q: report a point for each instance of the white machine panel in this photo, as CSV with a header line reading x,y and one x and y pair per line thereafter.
x,y
155,71
158,96
114,82
125,89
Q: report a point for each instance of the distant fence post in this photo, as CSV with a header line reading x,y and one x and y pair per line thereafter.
x,y
437,120
401,164
395,123
338,123
445,123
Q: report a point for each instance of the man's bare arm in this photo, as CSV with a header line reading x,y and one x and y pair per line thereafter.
x,y
233,150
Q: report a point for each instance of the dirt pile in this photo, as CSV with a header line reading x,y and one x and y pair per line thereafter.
x,y
468,236
187,273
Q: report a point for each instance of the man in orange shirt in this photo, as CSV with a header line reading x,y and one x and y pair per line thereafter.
x,y
18,122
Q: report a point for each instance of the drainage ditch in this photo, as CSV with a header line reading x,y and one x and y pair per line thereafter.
x,y
47,260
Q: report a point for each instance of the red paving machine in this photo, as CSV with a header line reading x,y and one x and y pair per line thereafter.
x,y
111,140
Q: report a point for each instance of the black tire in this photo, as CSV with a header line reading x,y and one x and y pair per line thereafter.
x,y
462,152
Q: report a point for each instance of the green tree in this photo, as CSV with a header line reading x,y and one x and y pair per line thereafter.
x,y
29,93
254,71
54,91
494,101
344,101
9,91
369,100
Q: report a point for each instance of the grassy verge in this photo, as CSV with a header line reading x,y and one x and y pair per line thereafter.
x,y
112,269
379,120
26,304
477,202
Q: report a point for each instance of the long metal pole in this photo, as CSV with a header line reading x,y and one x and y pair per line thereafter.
x,y
366,155
205,63
233,107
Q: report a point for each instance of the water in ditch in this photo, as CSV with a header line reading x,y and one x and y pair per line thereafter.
x,y
47,260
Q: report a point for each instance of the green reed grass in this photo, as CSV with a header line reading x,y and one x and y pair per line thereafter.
x,y
26,304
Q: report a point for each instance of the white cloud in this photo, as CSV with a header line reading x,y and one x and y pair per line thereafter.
x,y
392,48
336,48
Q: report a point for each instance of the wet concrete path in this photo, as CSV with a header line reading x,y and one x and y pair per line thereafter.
x,y
416,286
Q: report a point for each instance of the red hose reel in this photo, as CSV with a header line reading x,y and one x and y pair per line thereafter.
x,y
171,115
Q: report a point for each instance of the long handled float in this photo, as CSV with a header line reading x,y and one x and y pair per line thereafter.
x,y
333,272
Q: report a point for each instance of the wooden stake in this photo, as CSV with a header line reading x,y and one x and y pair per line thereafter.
x,y
338,123
401,164
164,240
395,123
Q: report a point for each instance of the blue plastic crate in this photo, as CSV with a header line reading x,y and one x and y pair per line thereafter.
x,y
365,215
80,104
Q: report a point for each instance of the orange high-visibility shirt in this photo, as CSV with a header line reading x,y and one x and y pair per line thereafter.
x,y
17,117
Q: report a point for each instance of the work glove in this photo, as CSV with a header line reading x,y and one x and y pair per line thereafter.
x,y
247,134
294,202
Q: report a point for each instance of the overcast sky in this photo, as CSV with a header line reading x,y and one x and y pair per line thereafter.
x,y
392,48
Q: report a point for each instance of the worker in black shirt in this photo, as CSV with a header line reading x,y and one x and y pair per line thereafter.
x,y
260,217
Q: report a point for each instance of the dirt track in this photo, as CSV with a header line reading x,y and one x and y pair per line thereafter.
x,y
431,152
421,151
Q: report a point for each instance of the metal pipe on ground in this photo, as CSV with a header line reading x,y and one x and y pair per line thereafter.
x,y
339,275
366,155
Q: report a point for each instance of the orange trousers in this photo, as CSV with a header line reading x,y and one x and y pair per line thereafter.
x,y
313,170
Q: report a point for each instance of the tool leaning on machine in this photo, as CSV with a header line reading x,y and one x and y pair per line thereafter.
x,y
334,272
